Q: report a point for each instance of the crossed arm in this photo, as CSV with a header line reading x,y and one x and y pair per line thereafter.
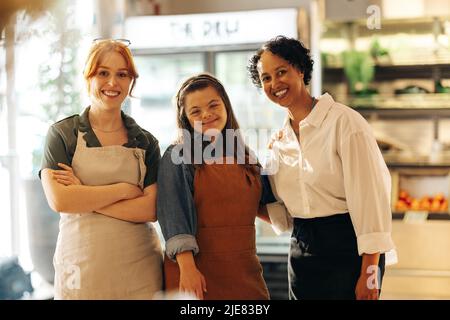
x,y
65,193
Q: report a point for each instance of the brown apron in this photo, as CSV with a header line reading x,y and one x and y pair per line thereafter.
x,y
99,257
226,199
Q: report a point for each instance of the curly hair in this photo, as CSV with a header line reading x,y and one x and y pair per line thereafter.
x,y
291,50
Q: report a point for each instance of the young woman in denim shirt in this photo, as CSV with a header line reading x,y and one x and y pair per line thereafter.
x,y
207,205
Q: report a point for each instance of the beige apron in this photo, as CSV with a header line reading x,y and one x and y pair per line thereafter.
x,y
99,257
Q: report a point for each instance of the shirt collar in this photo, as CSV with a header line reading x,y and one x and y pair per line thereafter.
x,y
318,113
136,136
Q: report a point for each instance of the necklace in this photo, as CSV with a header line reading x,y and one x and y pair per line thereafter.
x,y
313,101
296,129
107,131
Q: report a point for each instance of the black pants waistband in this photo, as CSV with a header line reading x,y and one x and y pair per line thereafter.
x,y
332,235
335,218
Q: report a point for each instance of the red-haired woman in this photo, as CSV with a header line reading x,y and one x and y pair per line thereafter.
x,y
99,172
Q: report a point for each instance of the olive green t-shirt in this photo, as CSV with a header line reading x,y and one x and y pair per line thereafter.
x,y
61,142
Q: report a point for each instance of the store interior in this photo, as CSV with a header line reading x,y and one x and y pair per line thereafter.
x,y
387,59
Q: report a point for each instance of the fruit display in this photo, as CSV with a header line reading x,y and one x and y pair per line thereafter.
x,y
436,203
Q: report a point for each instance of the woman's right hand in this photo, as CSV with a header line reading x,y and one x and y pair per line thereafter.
x,y
192,281
275,137
65,175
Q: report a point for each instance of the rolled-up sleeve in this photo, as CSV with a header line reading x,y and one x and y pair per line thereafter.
x,y
55,150
279,217
175,206
367,185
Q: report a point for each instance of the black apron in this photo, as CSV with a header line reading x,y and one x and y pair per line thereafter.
x,y
323,259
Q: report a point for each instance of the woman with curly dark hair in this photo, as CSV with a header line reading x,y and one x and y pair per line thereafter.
x,y
330,180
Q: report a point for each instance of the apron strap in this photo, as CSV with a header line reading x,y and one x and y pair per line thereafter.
x,y
80,139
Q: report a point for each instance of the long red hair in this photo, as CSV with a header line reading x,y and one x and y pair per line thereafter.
x,y
96,53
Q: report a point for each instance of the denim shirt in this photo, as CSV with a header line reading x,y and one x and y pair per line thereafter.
x,y
176,210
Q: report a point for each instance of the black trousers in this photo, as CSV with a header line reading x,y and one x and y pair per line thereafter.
x,y
323,259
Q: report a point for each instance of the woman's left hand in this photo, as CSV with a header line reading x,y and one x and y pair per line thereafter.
x,y
367,287
65,176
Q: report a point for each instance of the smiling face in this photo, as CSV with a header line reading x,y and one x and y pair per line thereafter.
x,y
282,83
110,84
206,107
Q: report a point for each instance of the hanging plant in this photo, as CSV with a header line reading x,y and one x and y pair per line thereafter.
x,y
359,69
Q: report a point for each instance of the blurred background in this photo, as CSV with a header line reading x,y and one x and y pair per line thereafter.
x,y
388,59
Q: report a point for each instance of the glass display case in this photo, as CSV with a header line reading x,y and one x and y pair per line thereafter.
x,y
398,77
405,64
159,76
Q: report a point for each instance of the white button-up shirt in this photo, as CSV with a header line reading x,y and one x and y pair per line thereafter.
x,y
334,167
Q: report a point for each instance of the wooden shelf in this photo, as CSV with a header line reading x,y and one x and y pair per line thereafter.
x,y
387,73
404,113
430,215
420,165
